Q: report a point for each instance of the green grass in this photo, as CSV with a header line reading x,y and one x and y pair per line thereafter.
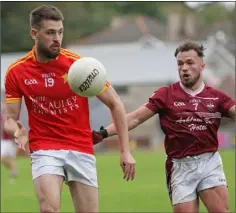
x,y
146,194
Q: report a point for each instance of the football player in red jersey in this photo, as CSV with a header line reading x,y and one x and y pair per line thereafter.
x,y
60,137
8,149
190,114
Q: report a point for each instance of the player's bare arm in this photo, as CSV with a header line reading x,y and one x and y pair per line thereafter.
x,y
12,116
12,125
232,112
134,119
113,102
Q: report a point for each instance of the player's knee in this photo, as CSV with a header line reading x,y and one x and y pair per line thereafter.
x,y
46,207
223,208
226,209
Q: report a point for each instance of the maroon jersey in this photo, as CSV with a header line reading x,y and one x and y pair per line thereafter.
x,y
189,120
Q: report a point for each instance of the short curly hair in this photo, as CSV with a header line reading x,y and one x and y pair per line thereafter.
x,y
190,45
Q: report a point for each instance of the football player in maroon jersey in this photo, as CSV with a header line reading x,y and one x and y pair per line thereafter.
x,y
190,113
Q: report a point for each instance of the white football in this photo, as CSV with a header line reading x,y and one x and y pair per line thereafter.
x,y
87,77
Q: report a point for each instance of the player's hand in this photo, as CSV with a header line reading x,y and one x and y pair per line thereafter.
x,y
98,136
128,165
21,136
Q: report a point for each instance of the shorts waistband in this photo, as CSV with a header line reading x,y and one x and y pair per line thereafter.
x,y
206,155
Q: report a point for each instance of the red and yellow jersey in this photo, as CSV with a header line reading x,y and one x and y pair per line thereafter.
x,y
58,118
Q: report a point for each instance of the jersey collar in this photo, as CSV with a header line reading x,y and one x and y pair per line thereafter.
x,y
190,92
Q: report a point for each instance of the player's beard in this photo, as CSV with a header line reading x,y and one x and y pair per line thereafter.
x,y
190,81
46,52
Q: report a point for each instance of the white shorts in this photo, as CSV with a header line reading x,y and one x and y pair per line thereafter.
x,y
187,176
8,148
72,165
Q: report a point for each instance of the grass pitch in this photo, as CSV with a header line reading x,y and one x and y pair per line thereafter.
x,y
147,193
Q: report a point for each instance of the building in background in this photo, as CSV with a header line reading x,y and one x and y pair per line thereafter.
x,y
136,70
138,53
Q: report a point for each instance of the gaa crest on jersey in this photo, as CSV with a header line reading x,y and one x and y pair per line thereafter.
x,y
210,105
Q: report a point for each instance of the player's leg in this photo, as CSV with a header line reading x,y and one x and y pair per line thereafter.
x,y
10,163
8,155
188,207
82,180
215,199
182,181
12,154
7,162
213,189
48,191
48,175
85,197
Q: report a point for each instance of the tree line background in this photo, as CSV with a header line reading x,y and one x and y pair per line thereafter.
x,y
85,18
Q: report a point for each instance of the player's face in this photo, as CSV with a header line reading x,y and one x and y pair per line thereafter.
x,y
49,38
190,66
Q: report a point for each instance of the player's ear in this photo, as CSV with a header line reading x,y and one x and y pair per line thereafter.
x,y
203,65
33,33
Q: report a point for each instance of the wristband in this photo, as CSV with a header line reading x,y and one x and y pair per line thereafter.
x,y
103,132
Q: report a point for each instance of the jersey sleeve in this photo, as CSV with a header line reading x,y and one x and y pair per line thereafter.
x,y
12,90
157,101
225,104
105,87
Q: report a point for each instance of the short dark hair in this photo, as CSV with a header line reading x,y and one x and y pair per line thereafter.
x,y
45,12
190,45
